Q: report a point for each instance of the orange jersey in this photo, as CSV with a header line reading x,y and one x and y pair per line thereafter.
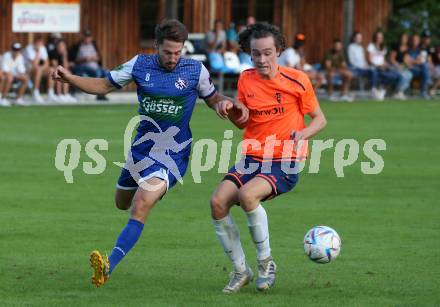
x,y
276,108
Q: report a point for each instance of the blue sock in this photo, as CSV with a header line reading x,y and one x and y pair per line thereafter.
x,y
126,240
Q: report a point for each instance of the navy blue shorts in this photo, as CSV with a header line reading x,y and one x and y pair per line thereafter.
x,y
281,181
159,170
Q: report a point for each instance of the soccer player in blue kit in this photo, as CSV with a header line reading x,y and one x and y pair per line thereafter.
x,y
167,88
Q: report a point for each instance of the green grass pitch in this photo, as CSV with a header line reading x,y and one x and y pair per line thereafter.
x,y
389,223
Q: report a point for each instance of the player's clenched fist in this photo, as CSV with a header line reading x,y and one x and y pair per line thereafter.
x,y
239,113
61,74
222,107
235,111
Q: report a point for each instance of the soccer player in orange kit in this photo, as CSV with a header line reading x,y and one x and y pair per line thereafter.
x,y
275,140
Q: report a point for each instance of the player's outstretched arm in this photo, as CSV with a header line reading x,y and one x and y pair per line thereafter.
x,y
227,108
95,86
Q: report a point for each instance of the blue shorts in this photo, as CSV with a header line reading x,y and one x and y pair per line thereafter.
x,y
157,169
280,180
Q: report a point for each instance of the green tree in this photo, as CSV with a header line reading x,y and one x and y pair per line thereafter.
x,y
412,17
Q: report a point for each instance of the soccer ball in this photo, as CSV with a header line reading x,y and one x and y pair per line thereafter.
x,y
322,244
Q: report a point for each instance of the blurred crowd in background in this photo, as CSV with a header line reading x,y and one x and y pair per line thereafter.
x,y
28,68
379,70
410,67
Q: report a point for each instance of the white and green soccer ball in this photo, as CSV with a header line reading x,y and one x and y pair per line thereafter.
x,y
322,244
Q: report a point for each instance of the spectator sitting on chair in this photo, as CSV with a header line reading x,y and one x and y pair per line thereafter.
x,y
335,63
232,38
245,59
426,47
13,69
59,56
436,70
241,26
216,38
250,20
37,65
400,61
359,64
295,57
290,57
51,47
52,42
377,58
1,79
87,59
419,65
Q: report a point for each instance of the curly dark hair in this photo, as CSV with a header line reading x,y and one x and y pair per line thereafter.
x,y
171,29
261,30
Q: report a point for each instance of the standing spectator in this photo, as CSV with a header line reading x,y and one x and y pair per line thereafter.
x,y
295,57
335,63
419,64
401,61
37,65
377,57
359,65
216,38
13,69
87,59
